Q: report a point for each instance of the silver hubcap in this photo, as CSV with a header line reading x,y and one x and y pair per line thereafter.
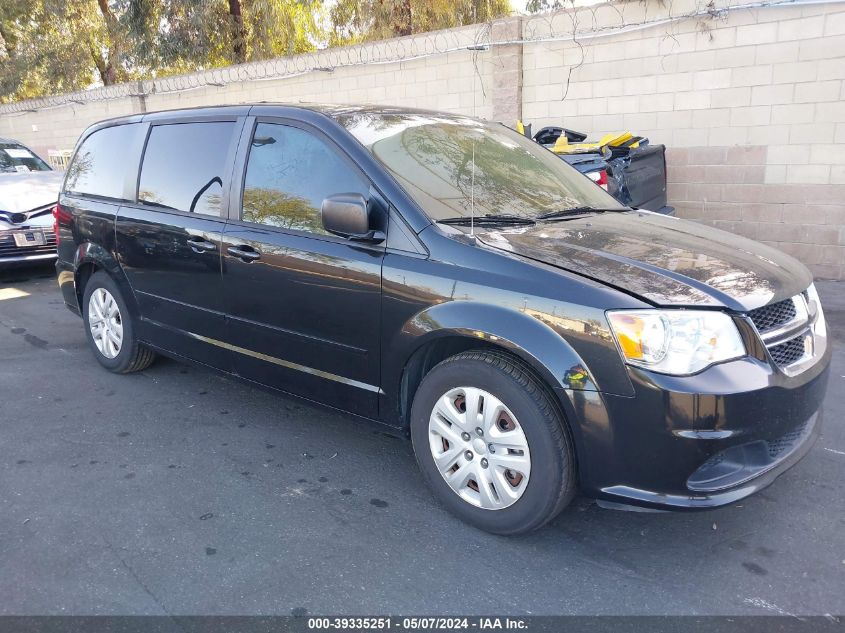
x,y
479,448
105,322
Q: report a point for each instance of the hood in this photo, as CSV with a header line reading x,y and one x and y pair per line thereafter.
x,y
26,191
666,261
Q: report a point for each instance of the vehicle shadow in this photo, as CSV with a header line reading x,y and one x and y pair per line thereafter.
x,y
21,274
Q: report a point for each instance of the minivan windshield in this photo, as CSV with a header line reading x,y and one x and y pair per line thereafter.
x,y
17,158
454,166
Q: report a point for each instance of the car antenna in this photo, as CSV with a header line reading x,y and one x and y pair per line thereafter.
x,y
472,176
472,195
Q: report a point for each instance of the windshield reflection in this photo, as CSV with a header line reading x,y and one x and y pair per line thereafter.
x,y
452,164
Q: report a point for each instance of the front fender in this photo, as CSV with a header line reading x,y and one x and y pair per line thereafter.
x,y
535,342
530,339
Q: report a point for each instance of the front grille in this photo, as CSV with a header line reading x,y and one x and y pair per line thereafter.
x,y
784,443
8,248
714,461
772,316
778,320
787,353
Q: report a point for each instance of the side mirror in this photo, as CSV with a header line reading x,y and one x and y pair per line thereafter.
x,y
352,216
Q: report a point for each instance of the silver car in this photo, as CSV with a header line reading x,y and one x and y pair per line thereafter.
x,y
29,190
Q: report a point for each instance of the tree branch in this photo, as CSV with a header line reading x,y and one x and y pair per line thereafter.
x,y
238,31
99,62
109,73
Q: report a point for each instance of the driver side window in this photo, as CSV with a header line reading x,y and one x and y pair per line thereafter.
x,y
289,173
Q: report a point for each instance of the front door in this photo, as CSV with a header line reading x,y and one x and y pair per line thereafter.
x,y
169,241
303,305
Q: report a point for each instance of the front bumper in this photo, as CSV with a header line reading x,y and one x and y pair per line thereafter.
x,y
698,441
23,260
12,254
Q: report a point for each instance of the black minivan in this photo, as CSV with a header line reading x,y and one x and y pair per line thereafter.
x,y
458,282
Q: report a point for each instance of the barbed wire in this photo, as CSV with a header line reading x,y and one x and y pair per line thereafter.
x,y
577,24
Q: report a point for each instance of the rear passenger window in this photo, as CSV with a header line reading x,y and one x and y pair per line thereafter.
x,y
98,168
289,173
184,166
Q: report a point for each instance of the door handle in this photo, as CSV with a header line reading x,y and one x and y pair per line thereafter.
x,y
200,245
244,253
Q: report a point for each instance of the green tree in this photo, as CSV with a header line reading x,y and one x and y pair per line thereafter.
x,y
188,35
51,46
365,20
54,46
281,27
276,208
47,47
536,6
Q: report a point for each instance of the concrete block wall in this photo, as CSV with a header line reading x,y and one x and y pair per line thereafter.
x,y
59,127
750,103
455,81
447,82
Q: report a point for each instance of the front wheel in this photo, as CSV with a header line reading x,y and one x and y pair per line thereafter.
x,y
109,327
491,443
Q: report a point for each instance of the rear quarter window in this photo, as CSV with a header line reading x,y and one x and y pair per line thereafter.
x,y
98,167
184,166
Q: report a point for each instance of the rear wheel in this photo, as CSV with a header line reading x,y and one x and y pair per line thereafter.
x,y
109,327
491,443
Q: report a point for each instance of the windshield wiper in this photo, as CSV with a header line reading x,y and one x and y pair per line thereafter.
x,y
487,219
574,211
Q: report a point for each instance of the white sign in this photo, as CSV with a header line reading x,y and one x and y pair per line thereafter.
x,y
15,152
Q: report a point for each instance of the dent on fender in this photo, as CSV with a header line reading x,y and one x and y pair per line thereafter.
x,y
527,336
88,253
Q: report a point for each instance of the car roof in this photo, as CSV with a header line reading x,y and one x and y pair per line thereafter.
x,y
331,111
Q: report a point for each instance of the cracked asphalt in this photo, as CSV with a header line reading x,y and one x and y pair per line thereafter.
x,y
178,491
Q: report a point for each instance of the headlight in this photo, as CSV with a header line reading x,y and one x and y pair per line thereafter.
x,y
675,341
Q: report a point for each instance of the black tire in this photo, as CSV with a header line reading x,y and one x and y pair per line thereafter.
x,y
552,483
133,355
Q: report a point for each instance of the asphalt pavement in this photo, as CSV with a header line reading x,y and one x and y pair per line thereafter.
x,y
178,491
